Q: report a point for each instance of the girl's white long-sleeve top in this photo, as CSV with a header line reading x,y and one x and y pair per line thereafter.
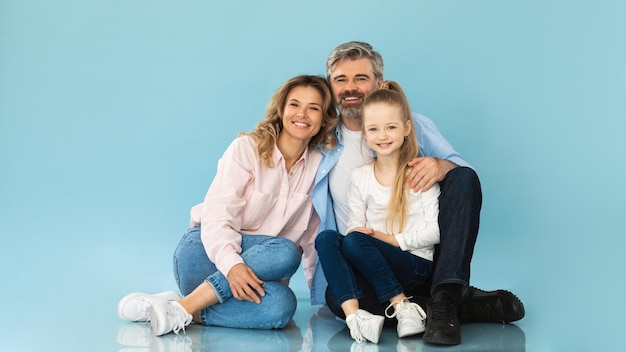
x,y
369,200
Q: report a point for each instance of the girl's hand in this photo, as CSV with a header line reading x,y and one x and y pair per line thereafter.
x,y
364,230
385,237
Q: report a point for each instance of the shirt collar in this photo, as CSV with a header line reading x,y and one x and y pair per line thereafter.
x,y
338,131
277,156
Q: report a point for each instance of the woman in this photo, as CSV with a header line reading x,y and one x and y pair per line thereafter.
x,y
256,222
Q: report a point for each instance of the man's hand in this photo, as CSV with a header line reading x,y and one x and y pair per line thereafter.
x,y
426,171
244,284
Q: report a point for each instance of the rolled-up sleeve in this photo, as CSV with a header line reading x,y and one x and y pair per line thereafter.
x,y
432,143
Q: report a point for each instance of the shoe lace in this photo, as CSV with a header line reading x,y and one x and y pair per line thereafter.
x,y
442,311
405,308
179,319
362,325
355,332
483,312
481,307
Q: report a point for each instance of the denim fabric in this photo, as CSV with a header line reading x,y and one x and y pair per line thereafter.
x,y
388,269
271,258
459,217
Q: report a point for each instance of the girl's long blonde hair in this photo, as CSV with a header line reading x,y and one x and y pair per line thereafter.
x,y
391,93
266,132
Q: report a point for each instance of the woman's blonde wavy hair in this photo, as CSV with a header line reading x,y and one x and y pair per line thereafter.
x,y
266,132
391,93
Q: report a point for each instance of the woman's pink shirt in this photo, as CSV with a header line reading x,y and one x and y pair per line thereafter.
x,y
246,197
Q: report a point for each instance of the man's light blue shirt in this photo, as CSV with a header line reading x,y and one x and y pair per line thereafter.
x,y
431,143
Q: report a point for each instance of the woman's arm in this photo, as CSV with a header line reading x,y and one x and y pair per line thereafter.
x,y
222,217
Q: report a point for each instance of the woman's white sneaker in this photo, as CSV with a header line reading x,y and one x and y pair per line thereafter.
x,y
168,316
136,306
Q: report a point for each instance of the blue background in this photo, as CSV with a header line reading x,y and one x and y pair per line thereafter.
x,y
113,115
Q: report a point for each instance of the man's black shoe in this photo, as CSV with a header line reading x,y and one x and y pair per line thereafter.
x,y
442,323
498,306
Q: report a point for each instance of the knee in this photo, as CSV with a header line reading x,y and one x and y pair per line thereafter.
x,y
462,175
353,244
286,253
190,244
190,263
325,238
284,245
461,181
281,303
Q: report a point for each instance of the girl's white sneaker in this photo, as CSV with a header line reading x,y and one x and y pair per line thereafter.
x,y
365,326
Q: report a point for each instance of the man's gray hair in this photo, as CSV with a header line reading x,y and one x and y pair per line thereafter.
x,y
354,51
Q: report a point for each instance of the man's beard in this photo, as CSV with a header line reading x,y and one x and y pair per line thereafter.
x,y
350,111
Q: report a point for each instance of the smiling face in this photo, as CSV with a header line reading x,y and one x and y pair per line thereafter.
x,y
351,81
302,114
384,128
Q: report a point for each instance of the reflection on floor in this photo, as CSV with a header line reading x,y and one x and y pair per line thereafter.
x,y
312,329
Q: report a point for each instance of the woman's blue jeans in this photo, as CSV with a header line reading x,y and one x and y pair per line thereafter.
x,y
387,268
271,258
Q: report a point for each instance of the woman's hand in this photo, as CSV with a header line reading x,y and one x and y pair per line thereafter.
x,y
244,284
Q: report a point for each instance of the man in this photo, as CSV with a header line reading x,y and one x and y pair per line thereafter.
x,y
354,70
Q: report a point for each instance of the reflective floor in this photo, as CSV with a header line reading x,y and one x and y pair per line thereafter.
x,y
313,329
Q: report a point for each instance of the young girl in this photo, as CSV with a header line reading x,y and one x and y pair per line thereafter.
x,y
392,230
